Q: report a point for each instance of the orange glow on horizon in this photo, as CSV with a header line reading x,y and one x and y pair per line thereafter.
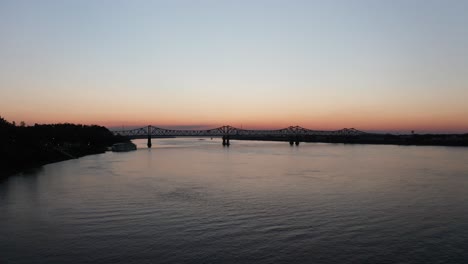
x,y
325,122
396,128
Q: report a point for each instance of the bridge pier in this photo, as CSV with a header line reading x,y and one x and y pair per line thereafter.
x,y
149,142
226,141
149,137
294,140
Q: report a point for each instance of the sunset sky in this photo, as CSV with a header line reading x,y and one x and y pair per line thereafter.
x,y
372,65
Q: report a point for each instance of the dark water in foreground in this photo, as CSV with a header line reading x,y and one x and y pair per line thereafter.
x,y
193,201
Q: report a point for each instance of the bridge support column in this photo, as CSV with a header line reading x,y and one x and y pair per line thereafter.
x,y
149,142
149,137
226,141
294,140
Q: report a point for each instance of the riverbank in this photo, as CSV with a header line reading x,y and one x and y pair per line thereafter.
x,y
26,147
375,139
35,157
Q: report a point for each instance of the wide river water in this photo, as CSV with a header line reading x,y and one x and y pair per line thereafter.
x,y
189,200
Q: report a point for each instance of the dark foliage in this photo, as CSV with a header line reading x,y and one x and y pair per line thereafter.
x,y
24,147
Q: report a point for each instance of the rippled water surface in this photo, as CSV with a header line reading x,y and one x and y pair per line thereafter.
x,y
193,201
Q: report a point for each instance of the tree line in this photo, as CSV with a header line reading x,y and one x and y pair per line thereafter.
x,y
23,147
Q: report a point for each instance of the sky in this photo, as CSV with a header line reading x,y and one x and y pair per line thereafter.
x,y
373,65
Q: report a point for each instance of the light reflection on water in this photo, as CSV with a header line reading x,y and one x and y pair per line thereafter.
x,y
194,201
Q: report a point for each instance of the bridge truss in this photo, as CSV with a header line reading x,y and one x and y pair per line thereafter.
x,y
233,131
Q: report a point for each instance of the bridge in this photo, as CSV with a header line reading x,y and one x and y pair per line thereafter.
x,y
293,134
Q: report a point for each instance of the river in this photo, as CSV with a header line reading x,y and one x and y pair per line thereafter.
x,y
190,200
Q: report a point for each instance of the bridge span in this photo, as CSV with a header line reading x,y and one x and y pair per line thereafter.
x,y
293,134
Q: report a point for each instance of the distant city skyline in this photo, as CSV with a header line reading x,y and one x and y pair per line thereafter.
x,y
393,66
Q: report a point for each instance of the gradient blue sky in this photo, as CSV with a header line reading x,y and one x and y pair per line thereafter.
x,y
372,65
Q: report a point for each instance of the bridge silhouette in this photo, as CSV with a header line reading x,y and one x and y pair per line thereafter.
x,y
293,134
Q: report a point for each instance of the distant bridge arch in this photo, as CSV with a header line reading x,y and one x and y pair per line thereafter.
x,y
291,133
233,131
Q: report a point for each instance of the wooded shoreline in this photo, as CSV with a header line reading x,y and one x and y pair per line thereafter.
x,y
25,147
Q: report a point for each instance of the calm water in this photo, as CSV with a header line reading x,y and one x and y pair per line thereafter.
x,y
193,201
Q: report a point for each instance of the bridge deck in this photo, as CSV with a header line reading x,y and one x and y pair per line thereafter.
x,y
233,131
